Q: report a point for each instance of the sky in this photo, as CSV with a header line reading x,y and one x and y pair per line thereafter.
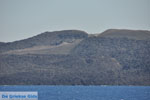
x,y
20,19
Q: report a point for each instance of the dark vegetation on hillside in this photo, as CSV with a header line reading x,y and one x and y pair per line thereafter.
x,y
90,60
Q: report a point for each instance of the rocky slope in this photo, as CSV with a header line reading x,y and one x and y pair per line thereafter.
x,y
72,57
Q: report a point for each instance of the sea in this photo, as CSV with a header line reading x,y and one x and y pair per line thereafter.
x,y
46,92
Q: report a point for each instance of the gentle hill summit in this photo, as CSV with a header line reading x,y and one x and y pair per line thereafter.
x,y
124,33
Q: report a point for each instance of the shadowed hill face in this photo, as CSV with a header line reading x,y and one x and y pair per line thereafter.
x,y
122,33
132,54
58,70
2,43
129,52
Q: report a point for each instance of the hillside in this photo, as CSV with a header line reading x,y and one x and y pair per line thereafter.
x,y
45,39
124,33
73,57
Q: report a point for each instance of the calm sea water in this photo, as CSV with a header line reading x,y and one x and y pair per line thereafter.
x,y
85,92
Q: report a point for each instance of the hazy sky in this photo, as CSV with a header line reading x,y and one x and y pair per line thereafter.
x,y
21,19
